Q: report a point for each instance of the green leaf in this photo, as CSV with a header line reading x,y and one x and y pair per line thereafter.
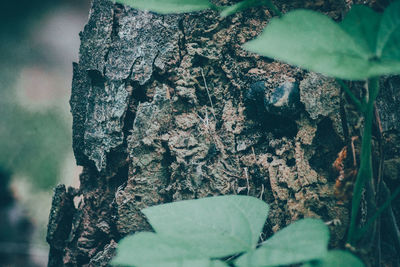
x,y
312,41
388,44
337,258
315,42
216,226
168,6
147,249
301,241
362,24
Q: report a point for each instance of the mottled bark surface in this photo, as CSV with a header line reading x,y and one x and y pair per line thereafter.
x,y
168,108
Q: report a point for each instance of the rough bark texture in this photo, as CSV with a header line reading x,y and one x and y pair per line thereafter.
x,y
168,108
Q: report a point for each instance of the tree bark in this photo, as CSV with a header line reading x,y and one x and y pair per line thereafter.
x,y
167,108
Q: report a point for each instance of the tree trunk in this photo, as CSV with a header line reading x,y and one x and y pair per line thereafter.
x,y
167,108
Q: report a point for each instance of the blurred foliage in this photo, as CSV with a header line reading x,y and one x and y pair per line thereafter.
x,y
33,143
35,126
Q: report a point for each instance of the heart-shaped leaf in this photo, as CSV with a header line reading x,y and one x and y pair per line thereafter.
x,y
168,6
315,42
147,249
362,24
388,43
312,41
215,226
301,241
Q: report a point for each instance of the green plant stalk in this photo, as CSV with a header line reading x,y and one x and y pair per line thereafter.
x,y
246,4
365,171
229,10
215,7
355,100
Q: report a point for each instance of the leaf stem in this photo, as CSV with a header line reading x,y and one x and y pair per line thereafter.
x,y
355,100
229,10
365,171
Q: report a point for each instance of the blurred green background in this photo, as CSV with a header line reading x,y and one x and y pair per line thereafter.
x,y
39,40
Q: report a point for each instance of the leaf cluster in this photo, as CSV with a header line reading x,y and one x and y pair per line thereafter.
x,y
364,45
223,230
